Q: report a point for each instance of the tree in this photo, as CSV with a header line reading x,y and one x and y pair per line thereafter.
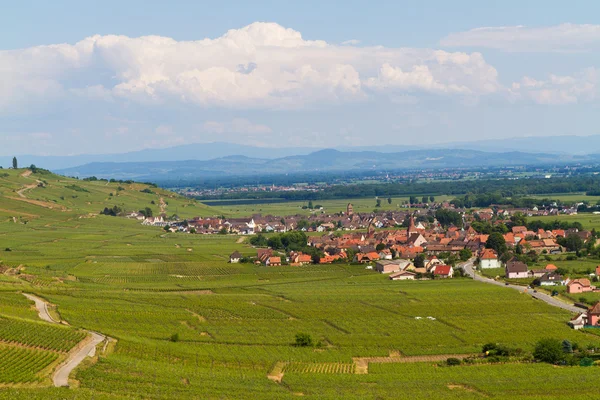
x,y
223,231
419,261
424,199
567,346
496,241
389,200
448,217
465,254
431,199
549,350
15,164
572,242
310,204
303,340
378,204
380,246
518,219
146,212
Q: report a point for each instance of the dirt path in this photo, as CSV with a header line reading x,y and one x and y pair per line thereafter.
x,y
42,307
26,173
21,192
162,205
87,347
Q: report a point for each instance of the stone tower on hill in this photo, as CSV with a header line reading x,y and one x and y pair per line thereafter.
x,y
349,209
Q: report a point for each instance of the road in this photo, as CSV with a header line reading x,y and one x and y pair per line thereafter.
x,y
61,375
42,308
86,348
553,301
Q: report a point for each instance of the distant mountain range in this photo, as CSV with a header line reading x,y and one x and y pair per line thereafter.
x,y
564,145
328,160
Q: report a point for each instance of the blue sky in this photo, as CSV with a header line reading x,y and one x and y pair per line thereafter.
x,y
114,76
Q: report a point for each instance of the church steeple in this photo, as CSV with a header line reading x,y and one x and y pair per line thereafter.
x,y
411,226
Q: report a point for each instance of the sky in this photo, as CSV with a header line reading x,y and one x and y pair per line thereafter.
x,y
115,76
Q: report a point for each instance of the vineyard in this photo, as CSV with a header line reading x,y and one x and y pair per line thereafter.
x,y
23,365
39,335
189,325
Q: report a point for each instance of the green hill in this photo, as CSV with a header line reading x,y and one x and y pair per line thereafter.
x,y
27,196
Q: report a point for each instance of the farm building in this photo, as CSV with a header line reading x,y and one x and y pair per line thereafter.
x,y
403,276
389,266
235,257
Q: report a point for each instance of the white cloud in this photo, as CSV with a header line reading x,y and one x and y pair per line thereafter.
x,y
237,125
351,42
557,38
262,65
559,89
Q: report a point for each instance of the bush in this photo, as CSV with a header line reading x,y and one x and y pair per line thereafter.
x,y
453,361
303,340
174,337
549,351
586,362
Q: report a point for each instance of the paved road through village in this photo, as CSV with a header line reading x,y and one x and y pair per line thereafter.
x,y
553,301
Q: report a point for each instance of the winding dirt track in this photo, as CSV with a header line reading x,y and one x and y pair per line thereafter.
x,y
86,347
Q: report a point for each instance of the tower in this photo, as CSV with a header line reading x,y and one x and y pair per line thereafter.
x,y
349,209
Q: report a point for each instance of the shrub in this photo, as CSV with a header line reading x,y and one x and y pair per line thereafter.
x,y
586,362
174,337
303,340
453,361
549,351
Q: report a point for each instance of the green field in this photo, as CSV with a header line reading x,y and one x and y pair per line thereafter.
x,y
361,205
189,325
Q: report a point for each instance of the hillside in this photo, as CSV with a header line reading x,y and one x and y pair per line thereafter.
x,y
26,196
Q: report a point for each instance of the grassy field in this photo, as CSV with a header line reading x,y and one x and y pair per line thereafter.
x,y
190,325
362,205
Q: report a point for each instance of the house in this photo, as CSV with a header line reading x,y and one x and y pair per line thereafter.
x,y
593,315
537,273
263,254
366,257
403,276
300,258
385,254
273,262
598,270
443,271
431,262
578,322
516,269
579,286
489,259
235,257
389,266
551,279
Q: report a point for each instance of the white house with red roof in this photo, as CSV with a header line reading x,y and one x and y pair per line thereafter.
x,y
489,259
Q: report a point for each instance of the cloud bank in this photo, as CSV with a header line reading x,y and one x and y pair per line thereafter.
x,y
557,38
260,66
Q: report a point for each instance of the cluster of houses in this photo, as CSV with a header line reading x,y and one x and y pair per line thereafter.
x,y
400,270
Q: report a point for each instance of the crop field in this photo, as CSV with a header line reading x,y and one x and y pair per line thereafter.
x,y
587,220
187,324
329,206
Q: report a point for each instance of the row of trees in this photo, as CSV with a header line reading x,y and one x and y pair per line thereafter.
x,y
476,192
